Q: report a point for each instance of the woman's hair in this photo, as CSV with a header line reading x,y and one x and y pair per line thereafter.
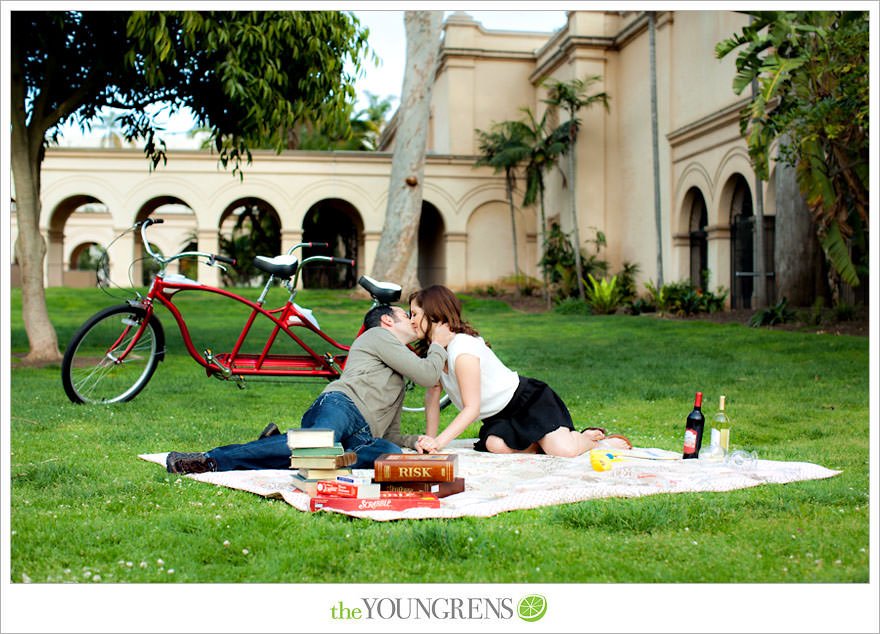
x,y
441,305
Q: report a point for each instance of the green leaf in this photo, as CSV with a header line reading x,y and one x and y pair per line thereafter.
x,y
838,254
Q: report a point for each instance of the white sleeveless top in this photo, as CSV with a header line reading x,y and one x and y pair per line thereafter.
x,y
497,382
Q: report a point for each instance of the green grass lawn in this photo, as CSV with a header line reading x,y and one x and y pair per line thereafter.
x,y
84,508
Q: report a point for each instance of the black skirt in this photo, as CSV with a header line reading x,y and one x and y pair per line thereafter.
x,y
534,411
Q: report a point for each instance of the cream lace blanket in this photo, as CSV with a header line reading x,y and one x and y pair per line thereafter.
x,y
496,483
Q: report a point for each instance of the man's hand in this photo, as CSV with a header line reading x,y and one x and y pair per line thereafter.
x,y
441,334
426,444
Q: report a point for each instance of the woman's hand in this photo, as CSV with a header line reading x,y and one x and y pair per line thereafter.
x,y
427,444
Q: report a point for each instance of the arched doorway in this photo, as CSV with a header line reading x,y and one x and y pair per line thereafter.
x,y
742,245
83,266
248,227
75,220
432,254
699,253
338,223
178,232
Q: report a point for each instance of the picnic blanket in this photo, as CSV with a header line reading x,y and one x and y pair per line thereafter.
x,y
495,483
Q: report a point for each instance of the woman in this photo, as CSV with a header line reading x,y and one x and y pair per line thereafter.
x,y
519,414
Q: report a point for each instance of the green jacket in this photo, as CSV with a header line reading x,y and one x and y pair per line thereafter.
x,y
374,379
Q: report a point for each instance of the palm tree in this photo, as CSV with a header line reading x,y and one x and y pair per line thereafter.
x,y
108,121
571,96
504,147
544,150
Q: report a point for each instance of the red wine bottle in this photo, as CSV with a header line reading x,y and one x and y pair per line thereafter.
x,y
693,432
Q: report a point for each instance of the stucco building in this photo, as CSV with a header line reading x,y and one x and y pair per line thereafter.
x,y
708,191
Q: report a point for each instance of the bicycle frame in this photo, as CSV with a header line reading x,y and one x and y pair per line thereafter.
x,y
289,316
311,364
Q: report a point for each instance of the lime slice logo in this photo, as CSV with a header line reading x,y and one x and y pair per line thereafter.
x,y
532,607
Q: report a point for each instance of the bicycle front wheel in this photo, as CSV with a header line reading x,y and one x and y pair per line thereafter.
x,y
96,367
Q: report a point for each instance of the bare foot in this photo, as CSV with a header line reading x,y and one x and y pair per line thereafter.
x,y
616,442
593,434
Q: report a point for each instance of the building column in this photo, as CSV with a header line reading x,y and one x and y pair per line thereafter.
x,y
718,255
122,254
371,247
289,238
680,257
209,242
55,258
456,260
529,265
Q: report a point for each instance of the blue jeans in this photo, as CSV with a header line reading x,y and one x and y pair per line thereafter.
x,y
331,410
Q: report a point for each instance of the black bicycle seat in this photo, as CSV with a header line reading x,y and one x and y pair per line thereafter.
x,y
385,292
282,266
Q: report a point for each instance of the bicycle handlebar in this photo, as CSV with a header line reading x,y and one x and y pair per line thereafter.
x,y
162,260
306,244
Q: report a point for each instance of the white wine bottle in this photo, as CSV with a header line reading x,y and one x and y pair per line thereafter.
x,y
721,423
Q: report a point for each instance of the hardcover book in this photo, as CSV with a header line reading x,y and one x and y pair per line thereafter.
x,y
355,479
440,489
425,500
323,462
335,488
308,452
403,467
309,437
306,486
322,474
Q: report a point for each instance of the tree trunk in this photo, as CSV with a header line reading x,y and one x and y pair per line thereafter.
x,y
513,229
544,248
796,244
27,154
397,254
574,217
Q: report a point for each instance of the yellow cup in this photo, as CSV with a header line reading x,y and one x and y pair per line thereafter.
x,y
601,460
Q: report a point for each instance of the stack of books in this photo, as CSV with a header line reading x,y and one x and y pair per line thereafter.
x,y
427,473
402,481
316,457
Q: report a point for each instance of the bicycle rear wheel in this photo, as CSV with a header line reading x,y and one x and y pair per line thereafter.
x,y
414,399
92,371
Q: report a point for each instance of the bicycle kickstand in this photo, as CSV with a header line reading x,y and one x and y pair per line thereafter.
x,y
226,372
332,362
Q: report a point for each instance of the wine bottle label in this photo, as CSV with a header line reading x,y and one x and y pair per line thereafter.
x,y
690,440
715,436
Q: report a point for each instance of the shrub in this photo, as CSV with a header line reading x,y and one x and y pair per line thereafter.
x,y
683,298
559,261
626,279
572,306
640,305
844,312
780,313
528,286
603,296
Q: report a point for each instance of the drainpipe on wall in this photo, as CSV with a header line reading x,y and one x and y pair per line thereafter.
x,y
656,150
760,275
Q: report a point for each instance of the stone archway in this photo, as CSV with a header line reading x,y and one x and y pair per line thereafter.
x,y
742,244
178,232
338,223
432,246
248,227
698,237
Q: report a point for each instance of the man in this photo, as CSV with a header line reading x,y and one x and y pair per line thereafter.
x,y
362,407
